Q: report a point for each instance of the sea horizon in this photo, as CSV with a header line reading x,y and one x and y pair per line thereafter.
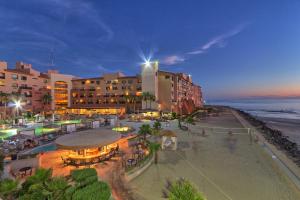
x,y
284,108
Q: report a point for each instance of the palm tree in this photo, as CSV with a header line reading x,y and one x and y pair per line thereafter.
x,y
46,99
135,98
181,189
190,120
4,98
132,101
144,130
152,98
8,188
42,185
154,147
157,125
156,128
145,97
127,100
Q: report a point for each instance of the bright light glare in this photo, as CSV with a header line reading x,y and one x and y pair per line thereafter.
x,y
18,104
147,63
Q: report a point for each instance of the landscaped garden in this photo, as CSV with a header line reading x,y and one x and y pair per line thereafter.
x,y
81,184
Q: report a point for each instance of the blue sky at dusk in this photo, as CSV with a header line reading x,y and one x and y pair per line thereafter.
x,y
232,48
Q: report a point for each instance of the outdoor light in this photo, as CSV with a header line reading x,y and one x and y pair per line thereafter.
x,y
147,63
18,104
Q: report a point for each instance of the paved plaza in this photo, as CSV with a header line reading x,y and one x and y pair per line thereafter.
x,y
222,166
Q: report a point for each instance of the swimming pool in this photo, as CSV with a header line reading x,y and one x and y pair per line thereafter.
x,y
44,148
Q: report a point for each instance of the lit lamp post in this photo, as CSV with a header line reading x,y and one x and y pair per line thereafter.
x,y
17,106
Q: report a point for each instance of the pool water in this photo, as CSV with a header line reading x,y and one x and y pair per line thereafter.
x,y
44,148
43,130
7,133
76,121
39,129
122,129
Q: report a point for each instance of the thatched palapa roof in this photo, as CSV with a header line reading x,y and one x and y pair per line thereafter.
x,y
87,139
167,133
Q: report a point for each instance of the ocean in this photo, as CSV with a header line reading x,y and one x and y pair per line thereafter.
x,y
271,108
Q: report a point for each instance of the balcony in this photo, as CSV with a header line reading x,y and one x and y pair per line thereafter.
x,y
23,87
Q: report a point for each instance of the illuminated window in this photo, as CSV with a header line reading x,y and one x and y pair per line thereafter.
x,y
14,85
60,94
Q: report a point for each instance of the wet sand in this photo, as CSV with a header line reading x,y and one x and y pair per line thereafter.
x,y
222,167
289,127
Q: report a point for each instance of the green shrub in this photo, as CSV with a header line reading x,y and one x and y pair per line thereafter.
x,y
83,174
95,191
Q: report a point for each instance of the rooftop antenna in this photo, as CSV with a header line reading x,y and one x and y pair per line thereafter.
x,y
51,57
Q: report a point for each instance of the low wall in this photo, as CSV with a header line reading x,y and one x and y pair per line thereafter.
x,y
136,172
30,162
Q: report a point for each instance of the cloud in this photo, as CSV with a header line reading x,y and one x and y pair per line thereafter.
x,y
196,52
172,60
86,10
35,38
219,41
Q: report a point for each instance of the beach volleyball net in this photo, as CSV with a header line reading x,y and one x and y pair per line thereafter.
x,y
225,130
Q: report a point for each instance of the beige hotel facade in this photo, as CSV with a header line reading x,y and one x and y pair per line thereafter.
x,y
112,93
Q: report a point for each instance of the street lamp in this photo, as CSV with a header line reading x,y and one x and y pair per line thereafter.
x,y
17,105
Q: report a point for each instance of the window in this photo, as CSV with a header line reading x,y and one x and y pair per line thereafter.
x,y
167,77
108,82
92,82
124,81
115,88
82,82
130,81
45,81
23,78
2,83
98,82
14,76
14,85
2,75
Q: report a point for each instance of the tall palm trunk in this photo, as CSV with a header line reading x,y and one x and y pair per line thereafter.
x,y
156,157
5,107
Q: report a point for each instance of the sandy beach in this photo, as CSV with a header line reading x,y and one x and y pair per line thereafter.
x,y
289,127
220,166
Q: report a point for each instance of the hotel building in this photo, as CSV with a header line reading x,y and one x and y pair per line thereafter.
x,y
112,93
30,86
116,93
